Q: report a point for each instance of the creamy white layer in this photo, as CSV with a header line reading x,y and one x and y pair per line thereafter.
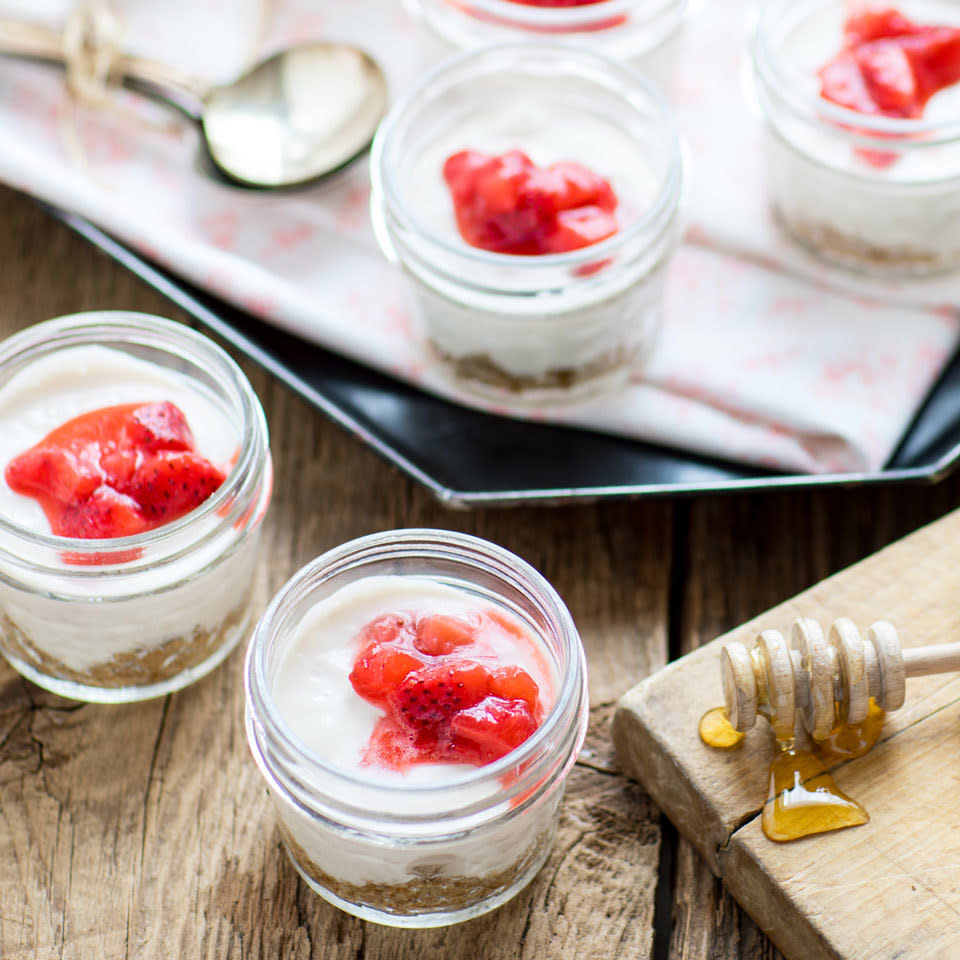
x,y
477,849
819,182
312,692
81,621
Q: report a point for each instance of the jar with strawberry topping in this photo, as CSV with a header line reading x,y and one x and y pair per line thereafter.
x,y
532,195
861,109
134,475
646,33
415,701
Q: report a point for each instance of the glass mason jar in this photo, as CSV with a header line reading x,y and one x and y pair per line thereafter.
x,y
519,329
643,32
128,618
873,193
417,854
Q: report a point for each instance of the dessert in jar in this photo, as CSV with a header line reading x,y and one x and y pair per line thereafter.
x,y
861,112
646,33
415,701
524,323
135,476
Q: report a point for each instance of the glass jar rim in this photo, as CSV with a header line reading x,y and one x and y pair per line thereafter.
x,y
569,17
425,542
667,199
141,329
813,107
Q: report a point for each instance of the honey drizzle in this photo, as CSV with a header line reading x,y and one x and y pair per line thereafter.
x,y
803,799
717,731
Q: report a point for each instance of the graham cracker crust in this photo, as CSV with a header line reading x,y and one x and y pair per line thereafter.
x,y
481,368
140,667
433,891
832,244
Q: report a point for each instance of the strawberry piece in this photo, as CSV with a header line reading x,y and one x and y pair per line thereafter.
x,y
379,669
935,57
390,628
889,78
842,82
574,229
579,187
430,696
392,747
55,473
494,726
159,426
866,26
514,683
506,204
102,515
171,483
438,635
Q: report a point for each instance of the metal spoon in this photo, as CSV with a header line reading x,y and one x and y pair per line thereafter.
x,y
289,120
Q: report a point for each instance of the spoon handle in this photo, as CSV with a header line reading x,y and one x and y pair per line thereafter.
x,y
159,81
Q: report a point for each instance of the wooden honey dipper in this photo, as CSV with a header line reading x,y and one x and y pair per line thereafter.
x,y
823,678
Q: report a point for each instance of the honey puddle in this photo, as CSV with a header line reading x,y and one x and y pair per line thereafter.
x,y
803,799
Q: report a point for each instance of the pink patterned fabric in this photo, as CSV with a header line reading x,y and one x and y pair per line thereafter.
x,y
765,357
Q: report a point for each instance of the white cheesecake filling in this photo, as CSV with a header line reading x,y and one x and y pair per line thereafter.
x,y
532,336
81,622
821,186
313,694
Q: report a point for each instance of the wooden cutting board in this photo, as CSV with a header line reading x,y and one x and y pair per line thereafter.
x,y
889,889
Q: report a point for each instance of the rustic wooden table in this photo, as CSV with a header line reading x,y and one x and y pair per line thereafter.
x,y
144,831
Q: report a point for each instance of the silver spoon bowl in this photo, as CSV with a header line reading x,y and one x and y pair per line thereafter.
x,y
288,121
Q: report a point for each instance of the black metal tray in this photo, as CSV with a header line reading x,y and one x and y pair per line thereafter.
x,y
469,458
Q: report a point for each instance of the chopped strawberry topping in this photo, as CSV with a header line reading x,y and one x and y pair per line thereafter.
x,y
115,472
891,66
445,693
506,204
556,3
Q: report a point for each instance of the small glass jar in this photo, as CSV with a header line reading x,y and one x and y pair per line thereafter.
x,y
418,854
128,618
873,193
519,329
644,32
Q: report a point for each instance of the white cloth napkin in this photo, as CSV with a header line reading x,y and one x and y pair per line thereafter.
x,y
765,357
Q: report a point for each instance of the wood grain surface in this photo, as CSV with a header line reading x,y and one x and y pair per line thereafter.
x,y
144,831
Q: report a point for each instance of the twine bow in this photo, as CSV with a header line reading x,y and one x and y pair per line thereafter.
x,y
91,47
